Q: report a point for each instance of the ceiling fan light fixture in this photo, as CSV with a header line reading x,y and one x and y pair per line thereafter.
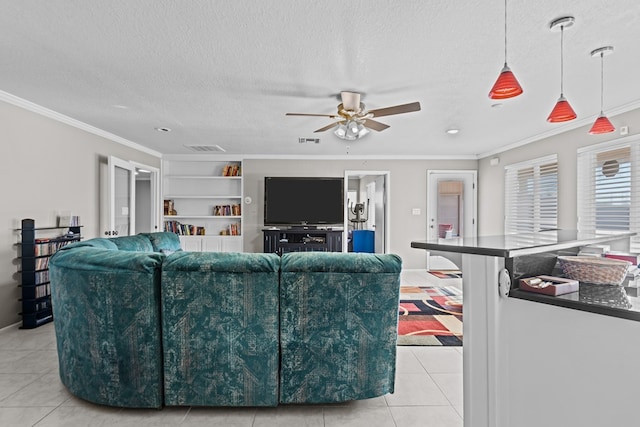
x,y
341,131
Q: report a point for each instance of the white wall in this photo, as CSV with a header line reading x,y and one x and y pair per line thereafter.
x,y
491,178
45,167
408,190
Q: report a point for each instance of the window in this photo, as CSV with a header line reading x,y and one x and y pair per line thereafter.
x,y
608,185
531,196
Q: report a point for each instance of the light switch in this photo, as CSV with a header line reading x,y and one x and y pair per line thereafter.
x,y
125,210
416,211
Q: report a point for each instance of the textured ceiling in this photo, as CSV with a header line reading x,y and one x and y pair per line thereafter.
x,y
226,72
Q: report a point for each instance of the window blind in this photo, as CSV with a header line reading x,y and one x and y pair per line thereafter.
x,y
531,195
609,189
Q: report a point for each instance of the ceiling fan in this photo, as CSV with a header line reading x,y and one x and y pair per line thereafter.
x,y
354,121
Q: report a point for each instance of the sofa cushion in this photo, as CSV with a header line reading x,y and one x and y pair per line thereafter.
x,y
164,242
137,243
220,329
338,326
106,305
98,243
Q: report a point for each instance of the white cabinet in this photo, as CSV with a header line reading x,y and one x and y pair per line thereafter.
x,y
211,243
203,203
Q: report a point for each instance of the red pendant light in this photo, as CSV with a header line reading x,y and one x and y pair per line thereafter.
x,y
506,86
562,112
602,123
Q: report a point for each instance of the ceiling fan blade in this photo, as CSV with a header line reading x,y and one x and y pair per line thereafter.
x,y
331,116
327,127
350,100
397,109
377,126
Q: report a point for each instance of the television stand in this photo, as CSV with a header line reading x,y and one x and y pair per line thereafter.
x,y
303,227
298,239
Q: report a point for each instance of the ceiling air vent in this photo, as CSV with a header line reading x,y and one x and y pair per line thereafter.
x,y
305,140
206,148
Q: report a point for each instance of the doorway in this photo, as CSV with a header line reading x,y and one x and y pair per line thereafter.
x,y
123,211
147,198
451,205
367,216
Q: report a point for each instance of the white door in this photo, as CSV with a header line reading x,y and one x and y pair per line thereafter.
x,y
119,212
451,204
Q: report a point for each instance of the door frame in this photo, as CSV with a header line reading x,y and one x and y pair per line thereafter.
x,y
156,214
432,175
386,198
108,212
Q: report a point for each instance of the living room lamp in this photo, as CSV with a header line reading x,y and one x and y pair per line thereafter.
x,y
602,123
506,86
562,112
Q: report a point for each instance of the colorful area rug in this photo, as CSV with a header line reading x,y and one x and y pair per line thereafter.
x,y
447,274
430,316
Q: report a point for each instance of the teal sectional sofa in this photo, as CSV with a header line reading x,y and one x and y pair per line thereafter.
x,y
140,323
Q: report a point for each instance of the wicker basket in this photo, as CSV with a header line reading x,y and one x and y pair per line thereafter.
x,y
596,270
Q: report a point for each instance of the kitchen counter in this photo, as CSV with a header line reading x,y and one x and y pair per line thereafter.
x,y
514,245
617,301
519,344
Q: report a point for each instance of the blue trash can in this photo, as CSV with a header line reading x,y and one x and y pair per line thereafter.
x,y
364,241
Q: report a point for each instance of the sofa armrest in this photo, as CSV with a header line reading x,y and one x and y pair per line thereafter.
x,y
106,306
338,326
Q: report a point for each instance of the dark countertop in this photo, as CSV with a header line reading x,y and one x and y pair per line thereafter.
x,y
616,301
510,246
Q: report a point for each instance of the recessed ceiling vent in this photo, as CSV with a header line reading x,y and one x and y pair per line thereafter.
x,y
305,140
206,148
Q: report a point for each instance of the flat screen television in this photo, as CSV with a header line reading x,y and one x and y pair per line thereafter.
x,y
301,201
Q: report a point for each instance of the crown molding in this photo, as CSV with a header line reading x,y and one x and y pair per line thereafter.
x,y
38,109
611,113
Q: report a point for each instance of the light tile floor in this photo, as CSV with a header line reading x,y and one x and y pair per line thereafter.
x,y
428,393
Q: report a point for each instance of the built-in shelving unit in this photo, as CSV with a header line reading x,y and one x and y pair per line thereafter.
x,y
203,203
35,252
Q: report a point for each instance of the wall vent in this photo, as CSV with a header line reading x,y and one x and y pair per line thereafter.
x,y
305,140
206,148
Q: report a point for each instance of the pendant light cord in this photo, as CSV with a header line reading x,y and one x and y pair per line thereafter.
x,y
602,83
561,60
505,32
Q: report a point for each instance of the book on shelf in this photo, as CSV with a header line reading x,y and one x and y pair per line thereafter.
x,y
42,290
50,246
231,170
169,208
226,210
184,229
231,230
68,220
